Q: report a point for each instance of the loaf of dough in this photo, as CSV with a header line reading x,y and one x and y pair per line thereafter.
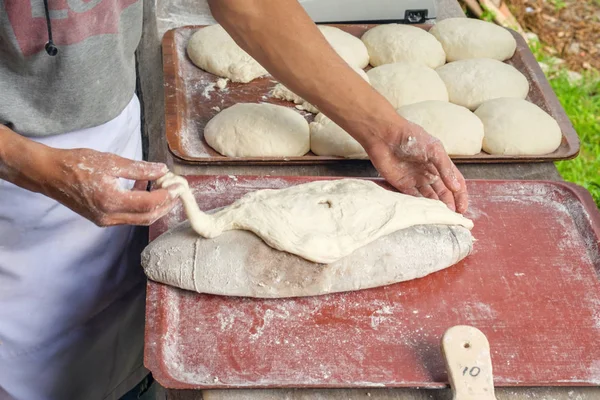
x,y
465,38
391,43
348,46
406,83
212,49
471,82
517,127
459,130
328,139
238,263
258,130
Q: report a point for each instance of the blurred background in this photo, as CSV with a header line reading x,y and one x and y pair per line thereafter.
x,y
564,36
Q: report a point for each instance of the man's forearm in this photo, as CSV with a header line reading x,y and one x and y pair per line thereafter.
x,y
280,35
21,160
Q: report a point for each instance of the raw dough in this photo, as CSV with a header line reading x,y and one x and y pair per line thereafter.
x,y
348,46
238,263
471,82
406,83
282,92
391,43
517,127
328,139
321,221
464,38
459,130
258,130
212,49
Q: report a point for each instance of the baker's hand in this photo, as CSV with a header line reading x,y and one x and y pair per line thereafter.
x,y
416,163
87,182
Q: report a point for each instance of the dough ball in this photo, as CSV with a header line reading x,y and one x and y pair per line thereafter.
x,y
348,46
328,139
213,50
471,82
517,127
406,83
459,130
391,43
465,38
282,92
258,130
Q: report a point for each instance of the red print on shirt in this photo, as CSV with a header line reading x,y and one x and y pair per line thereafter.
x,y
72,21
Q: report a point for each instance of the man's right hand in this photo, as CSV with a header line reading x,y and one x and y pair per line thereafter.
x,y
86,181
416,163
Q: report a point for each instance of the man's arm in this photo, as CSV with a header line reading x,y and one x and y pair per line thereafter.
x,y
283,39
84,180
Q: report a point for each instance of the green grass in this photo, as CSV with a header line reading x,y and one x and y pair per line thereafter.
x,y
488,15
558,4
581,101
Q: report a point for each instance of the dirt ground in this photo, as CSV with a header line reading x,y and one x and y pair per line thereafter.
x,y
571,28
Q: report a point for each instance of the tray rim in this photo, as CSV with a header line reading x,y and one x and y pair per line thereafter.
x,y
154,362
172,89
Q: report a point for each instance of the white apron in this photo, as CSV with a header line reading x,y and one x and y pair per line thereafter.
x,y
71,293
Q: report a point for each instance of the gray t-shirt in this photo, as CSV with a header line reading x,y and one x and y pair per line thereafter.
x,y
88,83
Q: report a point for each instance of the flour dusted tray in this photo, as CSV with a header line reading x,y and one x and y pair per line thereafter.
x,y
531,285
192,99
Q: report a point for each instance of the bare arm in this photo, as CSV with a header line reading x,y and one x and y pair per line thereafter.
x,y
281,37
84,180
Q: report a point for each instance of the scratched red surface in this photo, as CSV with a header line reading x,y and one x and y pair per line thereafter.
x,y
531,285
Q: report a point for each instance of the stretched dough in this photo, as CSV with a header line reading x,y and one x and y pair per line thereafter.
x,y
212,49
238,263
321,221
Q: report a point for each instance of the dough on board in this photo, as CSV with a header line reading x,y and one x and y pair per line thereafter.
x,y
239,263
348,46
517,127
465,38
321,221
282,92
459,130
212,49
391,43
328,139
471,82
406,83
258,130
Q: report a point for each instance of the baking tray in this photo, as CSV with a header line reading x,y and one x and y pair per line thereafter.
x,y
531,285
192,99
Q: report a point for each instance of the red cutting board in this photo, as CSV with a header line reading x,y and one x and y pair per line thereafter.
x,y
531,285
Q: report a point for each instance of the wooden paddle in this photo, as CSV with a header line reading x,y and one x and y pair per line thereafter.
x,y
466,352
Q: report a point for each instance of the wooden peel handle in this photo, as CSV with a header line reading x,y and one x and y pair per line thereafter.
x,y
466,352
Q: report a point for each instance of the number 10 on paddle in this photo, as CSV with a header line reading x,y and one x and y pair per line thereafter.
x,y
473,371
466,352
